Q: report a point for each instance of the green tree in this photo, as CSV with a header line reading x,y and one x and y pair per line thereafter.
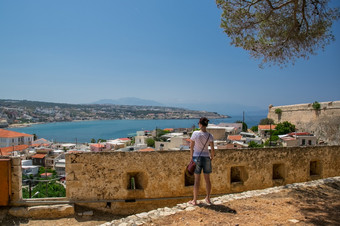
x,y
284,128
160,133
244,125
266,121
150,142
278,31
253,144
271,141
254,128
39,191
93,140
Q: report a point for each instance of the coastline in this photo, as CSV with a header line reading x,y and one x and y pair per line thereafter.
x,y
23,125
20,125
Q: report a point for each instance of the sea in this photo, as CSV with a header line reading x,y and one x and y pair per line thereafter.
x,y
84,131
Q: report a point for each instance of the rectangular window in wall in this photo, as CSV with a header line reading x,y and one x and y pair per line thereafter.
x,y
303,142
315,168
278,171
238,174
309,142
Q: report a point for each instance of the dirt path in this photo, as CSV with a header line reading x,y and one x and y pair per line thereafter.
x,y
307,206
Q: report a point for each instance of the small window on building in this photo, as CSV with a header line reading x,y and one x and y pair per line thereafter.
x,y
303,142
309,142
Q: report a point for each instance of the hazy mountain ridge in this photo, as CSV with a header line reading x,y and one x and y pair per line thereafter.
x,y
24,111
129,101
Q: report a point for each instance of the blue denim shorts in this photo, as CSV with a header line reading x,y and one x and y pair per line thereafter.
x,y
204,163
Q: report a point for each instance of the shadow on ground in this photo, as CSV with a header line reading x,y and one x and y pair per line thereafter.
x,y
314,204
218,208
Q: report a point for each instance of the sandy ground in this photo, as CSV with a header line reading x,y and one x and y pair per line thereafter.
x,y
304,206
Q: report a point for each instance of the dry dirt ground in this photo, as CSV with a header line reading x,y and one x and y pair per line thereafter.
x,y
304,206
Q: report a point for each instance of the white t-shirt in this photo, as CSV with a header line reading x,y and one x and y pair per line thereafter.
x,y
200,139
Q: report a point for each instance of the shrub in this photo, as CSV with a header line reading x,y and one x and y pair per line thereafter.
x,y
316,105
278,111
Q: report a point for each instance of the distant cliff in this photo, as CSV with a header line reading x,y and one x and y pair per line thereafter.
x,y
324,123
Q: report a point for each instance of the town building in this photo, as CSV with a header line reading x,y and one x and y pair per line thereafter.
x,y
264,130
298,139
11,138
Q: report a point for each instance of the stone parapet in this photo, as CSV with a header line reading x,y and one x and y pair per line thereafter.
x,y
125,182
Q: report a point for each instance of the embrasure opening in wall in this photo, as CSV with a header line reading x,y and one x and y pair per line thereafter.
x,y
314,168
278,171
238,174
189,180
135,180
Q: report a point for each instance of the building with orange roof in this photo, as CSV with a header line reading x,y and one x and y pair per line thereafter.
x,y
169,129
266,127
97,147
234,137
14,150
39,159
10,138
263,130
46,175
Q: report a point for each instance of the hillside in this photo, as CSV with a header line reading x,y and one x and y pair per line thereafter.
x,y
24,111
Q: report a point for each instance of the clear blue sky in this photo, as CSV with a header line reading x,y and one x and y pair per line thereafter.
x,y
173,52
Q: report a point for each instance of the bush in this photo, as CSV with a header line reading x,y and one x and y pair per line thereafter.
x,y
278,111
150,142
316,105
253,144
53,190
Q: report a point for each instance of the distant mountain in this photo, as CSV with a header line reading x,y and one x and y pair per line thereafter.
x,y
129,101
224,108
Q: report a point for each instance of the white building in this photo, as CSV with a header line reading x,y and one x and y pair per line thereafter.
x,y
28,168
10,138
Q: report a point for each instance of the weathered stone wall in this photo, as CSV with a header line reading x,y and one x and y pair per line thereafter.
x,y
103,178
16,179
324,123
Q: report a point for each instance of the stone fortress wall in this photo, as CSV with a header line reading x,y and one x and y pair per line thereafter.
x,y
324,123
103,180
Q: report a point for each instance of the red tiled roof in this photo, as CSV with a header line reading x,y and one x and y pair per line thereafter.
x,y
7,150
46,174
74,152
12,134
147,149
168,129
98,145
39,156
234,137
266,127
126,139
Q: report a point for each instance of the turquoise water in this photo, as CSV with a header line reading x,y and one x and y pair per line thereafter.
x,y
84,131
